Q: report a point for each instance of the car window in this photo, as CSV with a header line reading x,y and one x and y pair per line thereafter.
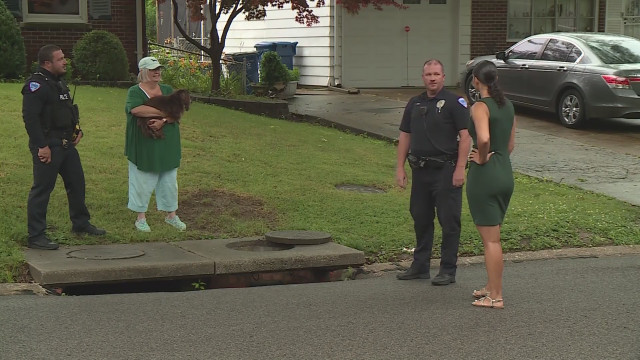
x,y
574,54
558,50
615,50
527,49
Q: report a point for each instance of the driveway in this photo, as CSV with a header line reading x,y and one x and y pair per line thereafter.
x,y
620,135
604,158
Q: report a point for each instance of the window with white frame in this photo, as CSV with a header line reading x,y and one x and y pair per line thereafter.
x,y
58,11
529,17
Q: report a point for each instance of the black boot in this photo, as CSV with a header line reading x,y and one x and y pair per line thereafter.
x,y
42,243
413,273
443,279
89,229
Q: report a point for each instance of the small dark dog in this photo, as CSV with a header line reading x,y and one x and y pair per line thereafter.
x,y
173,105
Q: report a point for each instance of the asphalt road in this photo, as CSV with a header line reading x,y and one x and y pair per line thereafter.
x,y
584,309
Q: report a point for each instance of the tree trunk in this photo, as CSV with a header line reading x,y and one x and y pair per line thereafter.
x,y
216,66
216,71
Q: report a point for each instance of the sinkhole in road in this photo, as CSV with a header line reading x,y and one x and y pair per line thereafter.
x,y
198,283
274,262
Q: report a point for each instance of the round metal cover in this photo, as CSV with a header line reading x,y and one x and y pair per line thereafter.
x,y
359,188
105,254
298,237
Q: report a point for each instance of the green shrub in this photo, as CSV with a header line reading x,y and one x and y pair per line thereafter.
x,y
150,12
13,59
294,75
185,72
231,85
99,55
272,70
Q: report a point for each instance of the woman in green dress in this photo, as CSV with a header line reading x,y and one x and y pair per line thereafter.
x,y
490,177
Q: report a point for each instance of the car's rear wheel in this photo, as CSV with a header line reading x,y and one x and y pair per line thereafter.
x,y
473,95
571,110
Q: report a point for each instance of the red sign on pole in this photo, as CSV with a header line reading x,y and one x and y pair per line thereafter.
x,y
407,28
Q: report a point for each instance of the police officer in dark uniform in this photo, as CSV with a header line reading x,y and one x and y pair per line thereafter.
x,y
51,120
435,140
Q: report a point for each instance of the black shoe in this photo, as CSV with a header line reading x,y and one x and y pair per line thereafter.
x,y
411,274
90,229
42,243
443,279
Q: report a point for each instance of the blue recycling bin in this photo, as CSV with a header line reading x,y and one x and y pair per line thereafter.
x,y
235,64
286,50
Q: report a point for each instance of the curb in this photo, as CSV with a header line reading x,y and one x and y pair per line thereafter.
x,y
379,269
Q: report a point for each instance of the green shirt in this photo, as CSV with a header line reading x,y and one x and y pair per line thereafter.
x,y
150,155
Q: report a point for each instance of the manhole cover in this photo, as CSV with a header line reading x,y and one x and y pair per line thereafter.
x,y
105,254
359,188
298,237
258,245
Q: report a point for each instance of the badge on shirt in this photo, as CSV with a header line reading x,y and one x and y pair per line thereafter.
x,y
462,102
34,86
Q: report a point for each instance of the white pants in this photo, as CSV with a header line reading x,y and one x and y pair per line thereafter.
x,y
142,184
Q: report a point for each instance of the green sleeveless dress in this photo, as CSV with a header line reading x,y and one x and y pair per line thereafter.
x,y
489,186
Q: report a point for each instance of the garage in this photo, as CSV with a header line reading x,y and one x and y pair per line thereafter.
x,y
388,48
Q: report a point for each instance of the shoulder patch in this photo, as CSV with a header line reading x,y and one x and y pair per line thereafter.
x,y
462,102
34,86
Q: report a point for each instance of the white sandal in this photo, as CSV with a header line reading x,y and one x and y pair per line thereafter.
x,y
492,303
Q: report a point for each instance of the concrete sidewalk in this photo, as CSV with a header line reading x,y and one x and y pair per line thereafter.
x,y
541,155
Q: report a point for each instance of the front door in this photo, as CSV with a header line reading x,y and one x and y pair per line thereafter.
x,y
631,18
623,17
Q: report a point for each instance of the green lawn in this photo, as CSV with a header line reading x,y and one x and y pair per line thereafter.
x,y
243,175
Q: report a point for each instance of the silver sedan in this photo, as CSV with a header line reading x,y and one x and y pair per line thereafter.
x,y
578,76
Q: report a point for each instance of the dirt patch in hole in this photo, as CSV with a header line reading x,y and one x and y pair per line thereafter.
x,y
585,237
215,211
23,275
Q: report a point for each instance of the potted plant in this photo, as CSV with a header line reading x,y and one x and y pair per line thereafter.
x,y
274,74
292,84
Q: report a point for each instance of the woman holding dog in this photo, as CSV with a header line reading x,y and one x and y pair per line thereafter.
x,y
153,163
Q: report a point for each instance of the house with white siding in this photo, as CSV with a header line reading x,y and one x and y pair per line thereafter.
x,y
371,49
388,48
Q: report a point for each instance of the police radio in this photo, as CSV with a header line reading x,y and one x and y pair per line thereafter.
x,y
76,116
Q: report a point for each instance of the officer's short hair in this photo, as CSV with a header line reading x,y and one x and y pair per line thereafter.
x,y
143,75
46,53
433,61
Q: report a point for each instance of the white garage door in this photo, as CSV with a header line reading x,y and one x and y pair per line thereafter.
x,y
378,52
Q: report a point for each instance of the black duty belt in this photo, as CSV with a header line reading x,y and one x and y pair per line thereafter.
x,y
434,162
59,138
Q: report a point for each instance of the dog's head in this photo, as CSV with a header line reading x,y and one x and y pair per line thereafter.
x,y
184,97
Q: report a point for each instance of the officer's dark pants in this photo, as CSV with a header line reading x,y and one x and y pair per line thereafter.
x,y
432,192
65,162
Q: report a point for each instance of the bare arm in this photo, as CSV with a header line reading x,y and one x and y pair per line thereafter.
x,y
512,139
464,145
403,150
480,117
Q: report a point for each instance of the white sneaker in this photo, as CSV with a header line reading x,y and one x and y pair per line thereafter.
x,y
176,223
142,225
